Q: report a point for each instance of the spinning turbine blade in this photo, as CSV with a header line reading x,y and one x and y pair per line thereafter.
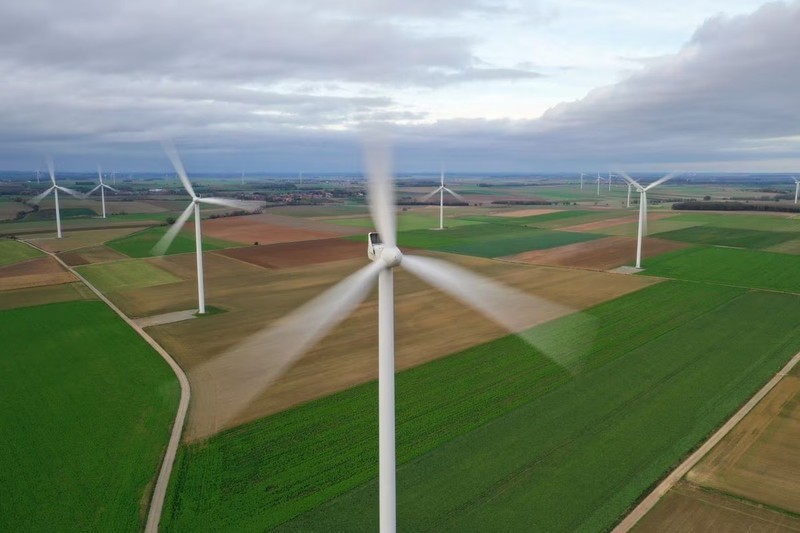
x,y
456,195
661,180
90,192
250,367
100,174
430,195
380,187
229,202
511,308
629,179
172,153
109,187
76,194
51,169
39,197
161,246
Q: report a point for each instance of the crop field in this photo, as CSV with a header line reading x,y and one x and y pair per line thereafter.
x,y
763,221
91,255
33,273
735,237
87,411
418,219
786,247
489,240
255,297
328,210
729,266
575,453
12,251
110,277
73,240
294,254
141,244
65,212
600,254
600,225
64,292
256,229
654,226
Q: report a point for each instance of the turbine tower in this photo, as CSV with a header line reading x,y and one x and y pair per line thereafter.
x,y
102,188
441,190
609,181
796,188
193,208
581,180
244,376
599,180
54,189
643,209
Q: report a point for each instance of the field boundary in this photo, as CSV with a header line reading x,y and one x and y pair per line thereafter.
x,y
647,504
162,482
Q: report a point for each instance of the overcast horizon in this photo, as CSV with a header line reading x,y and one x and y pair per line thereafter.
x,y
473,86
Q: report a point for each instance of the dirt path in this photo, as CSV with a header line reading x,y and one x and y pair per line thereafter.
x,y
160,489
652,499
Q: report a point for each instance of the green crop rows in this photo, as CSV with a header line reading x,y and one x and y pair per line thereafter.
x,y
736,237
86,412
729,266
498,436
128,274
141,244
12,252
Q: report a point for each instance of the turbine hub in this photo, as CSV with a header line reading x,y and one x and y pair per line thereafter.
x,y
392,257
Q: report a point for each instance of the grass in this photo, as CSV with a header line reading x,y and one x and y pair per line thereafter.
x,y
141,244
729,266
736,237
12,251
500,413
489,240
119,275
533,220
87,410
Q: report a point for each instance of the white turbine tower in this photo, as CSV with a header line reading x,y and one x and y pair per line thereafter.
x,y
609,181
441,190
581,180
643,209
194,207
599,180
102,188
796,188
54,189
243,376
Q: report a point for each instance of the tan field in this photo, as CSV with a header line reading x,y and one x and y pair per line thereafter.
x,y
520,213
429,324
256,228
33,273
611,222
74,240
48,294
91,255
688,509
600,254
293,254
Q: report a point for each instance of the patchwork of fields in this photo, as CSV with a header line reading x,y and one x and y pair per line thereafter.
x,y
141,244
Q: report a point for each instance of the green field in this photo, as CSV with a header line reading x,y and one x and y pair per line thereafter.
x,y
533,220
497,437
12,252
735,237
729,266
778,222
410,221
141,244
64,212
87,408
489,240
119,275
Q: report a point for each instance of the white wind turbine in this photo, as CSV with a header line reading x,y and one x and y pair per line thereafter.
x,y
609,181
441,190
599,180
194,207
796,188
241,376
102,188
54,189
643,209
581,180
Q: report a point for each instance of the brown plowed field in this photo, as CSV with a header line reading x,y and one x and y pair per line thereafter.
x,y
687,509
611,222
758,459
429,324
64,292
33,273
73,240
294,254
250,229
600,254
87,256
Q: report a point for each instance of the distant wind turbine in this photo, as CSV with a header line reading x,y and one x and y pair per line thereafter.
x,y
54,189
796,188
643,209
102,188
581,180
599,179
194,207
441,190
609,181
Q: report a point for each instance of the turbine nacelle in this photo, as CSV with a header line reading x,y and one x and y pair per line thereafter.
x,y
377,251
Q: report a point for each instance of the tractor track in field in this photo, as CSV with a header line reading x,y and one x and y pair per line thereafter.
x,y
162,482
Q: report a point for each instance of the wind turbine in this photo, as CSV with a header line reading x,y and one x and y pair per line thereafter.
x,y
441,190
599,179
796,188
194,207
54,189
609,181
581,180
102,188
629,195
244,376
643,209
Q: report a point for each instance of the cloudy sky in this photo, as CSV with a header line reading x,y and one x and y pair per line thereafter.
x,y
474,85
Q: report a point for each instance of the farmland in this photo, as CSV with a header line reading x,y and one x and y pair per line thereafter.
x,y
733,237
141,244
109,277
730,266
12,252
87,409
520,421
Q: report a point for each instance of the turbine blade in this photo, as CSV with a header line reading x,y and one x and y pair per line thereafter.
x,y
161,246
513,309
661,180
39,197
250,367
172,153
629,179
430,194
110,188
76,194
100,173
380,187
230,202
51,169
458,196
90,192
